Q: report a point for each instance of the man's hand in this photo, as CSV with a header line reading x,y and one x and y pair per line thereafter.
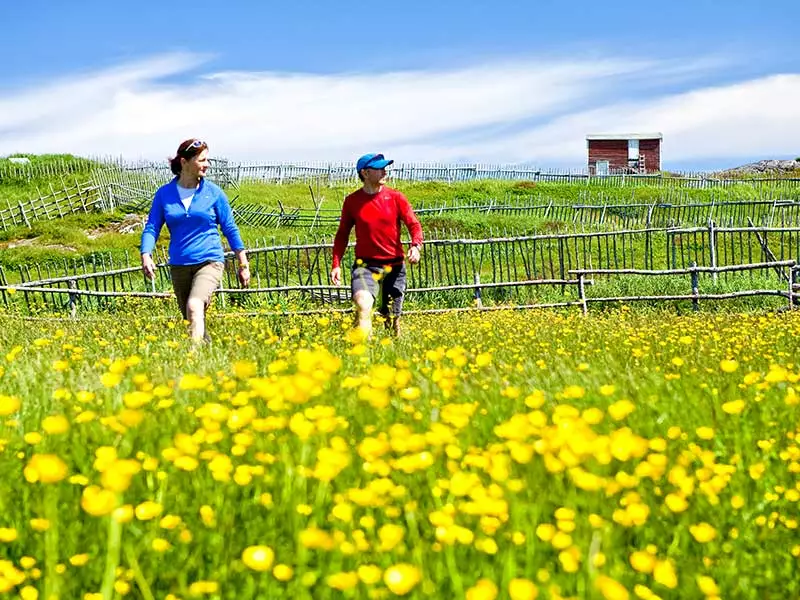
x,y
244,275
336,275
148,266
413,255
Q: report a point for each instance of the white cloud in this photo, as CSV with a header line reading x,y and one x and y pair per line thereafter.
x,y
517,111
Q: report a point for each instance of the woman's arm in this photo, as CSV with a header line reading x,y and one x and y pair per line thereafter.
x,y
150,233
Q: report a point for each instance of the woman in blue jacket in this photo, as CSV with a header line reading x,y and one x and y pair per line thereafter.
x,y
194,209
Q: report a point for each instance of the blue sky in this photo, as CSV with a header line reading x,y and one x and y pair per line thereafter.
x,y
502,81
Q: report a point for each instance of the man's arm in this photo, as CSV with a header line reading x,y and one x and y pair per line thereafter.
x,y
413,225
340,243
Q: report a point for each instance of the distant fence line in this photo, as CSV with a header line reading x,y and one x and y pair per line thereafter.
x,y
49,169
344,172
505,269
118,185
734,213
131,190
331,173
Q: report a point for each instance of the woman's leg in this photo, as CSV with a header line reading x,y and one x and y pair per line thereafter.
x,y
181,277
205,281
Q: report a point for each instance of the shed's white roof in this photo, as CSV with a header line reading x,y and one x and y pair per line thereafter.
x,y
624,136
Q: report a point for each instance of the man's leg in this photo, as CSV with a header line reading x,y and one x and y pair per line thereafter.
x,y
364,287
364,303
395,286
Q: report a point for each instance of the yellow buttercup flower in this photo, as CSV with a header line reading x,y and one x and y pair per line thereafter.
x,y
78,560
369,574
343,581
282,572
611,589
703,532
258,558
522,589
734,407
45,468
8,405
484,589
401,578
664,573
148,510
621,409
98,502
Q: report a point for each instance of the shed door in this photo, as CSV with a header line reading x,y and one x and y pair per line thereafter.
x,y
633,149
601,167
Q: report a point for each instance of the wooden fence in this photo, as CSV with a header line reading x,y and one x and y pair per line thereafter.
x,y
54,204
506,270
132,188
338,173
736,213
329,173
790,293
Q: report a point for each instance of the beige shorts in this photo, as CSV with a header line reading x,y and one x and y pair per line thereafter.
x,y
195,281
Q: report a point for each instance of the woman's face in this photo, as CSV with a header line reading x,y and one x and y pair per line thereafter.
x,y
195,166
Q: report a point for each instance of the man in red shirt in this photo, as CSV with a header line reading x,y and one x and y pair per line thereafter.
x,y
376,212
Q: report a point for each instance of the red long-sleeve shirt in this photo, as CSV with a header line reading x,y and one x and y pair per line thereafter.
x,y
376,218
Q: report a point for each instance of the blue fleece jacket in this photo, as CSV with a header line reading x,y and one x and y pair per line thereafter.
x,y
194,233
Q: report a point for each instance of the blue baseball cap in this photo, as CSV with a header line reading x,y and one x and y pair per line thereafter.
x,y
372,161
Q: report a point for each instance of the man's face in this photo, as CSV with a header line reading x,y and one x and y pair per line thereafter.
x,y
374,177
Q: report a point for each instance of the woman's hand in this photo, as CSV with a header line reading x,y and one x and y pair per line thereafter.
x,y
244,274
148,266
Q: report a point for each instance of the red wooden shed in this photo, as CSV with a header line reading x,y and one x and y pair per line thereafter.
x,y
611,153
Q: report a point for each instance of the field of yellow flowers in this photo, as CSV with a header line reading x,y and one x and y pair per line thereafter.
x,y
507,455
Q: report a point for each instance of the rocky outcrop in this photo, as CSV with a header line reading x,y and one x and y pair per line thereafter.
x,y
766,167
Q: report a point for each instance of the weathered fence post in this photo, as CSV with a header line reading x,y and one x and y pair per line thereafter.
x,y
674,251
24,216
73,298
4,283
792,286
712,243
582,294
648,245
695,287
478,300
